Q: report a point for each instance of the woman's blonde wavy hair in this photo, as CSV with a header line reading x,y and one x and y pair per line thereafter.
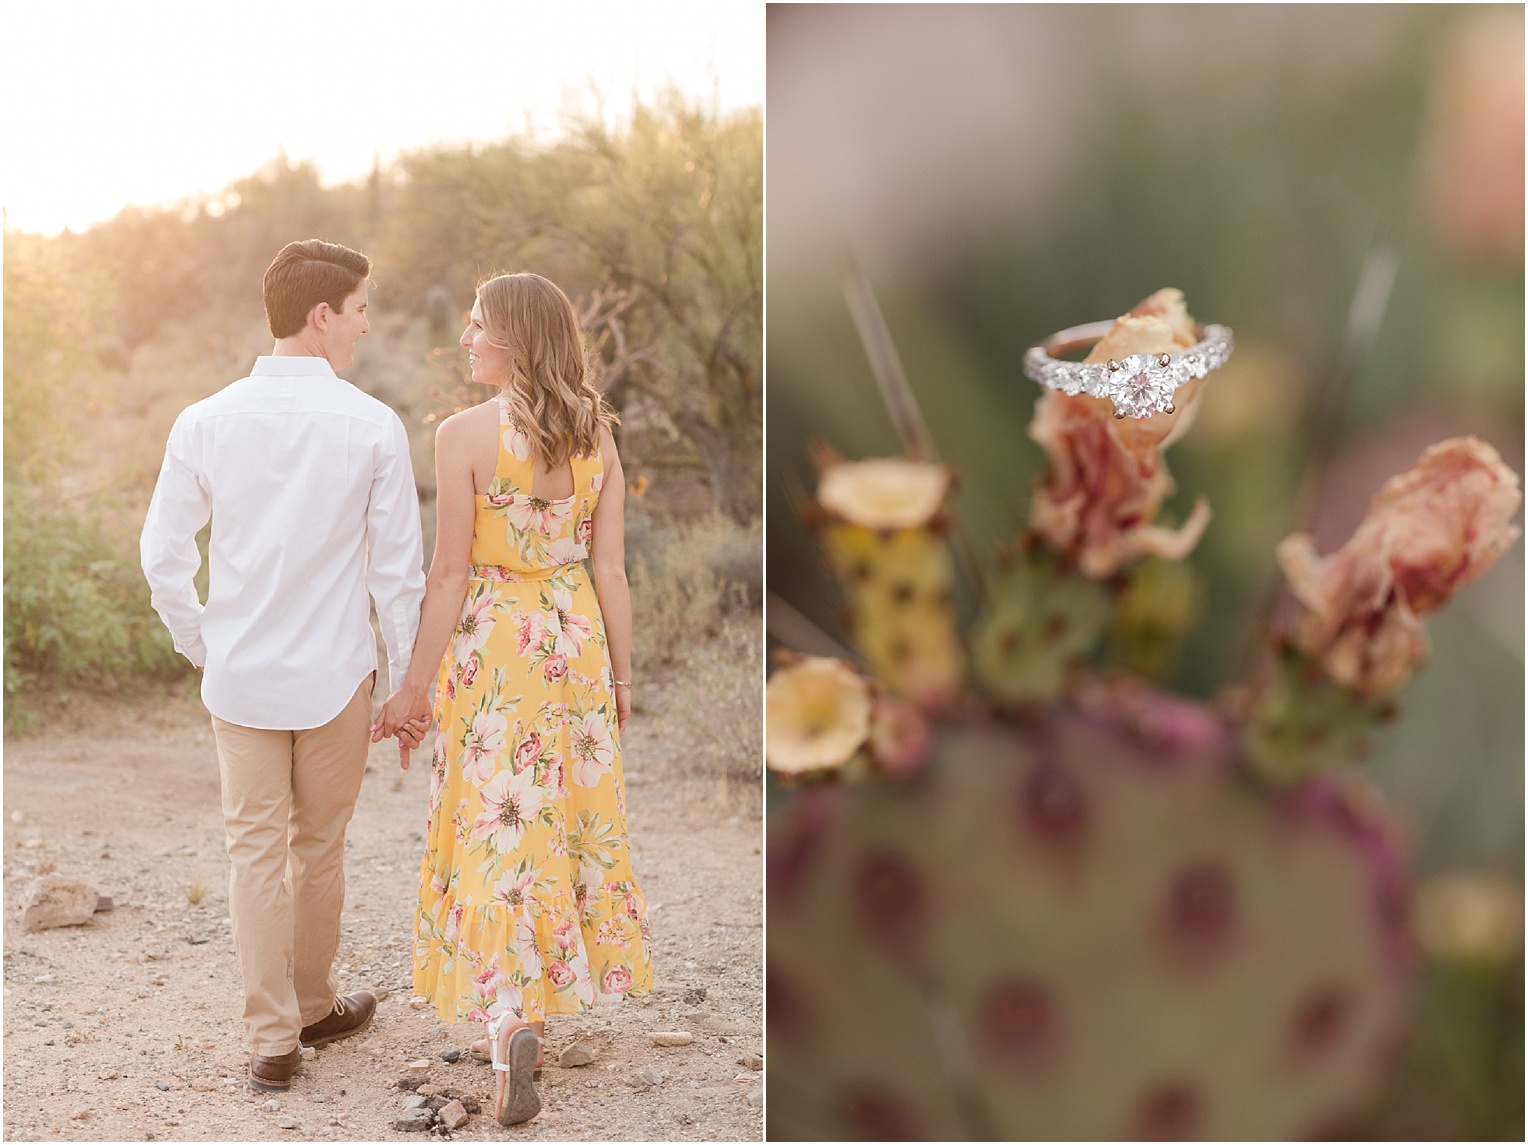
x,y
551,379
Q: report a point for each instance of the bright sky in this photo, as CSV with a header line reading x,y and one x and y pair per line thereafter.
x,y
103,104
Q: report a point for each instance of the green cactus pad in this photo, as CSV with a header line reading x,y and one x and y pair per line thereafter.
x,y
1087,928
1037,628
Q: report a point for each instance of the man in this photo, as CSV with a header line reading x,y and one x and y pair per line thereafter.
x,y
311,493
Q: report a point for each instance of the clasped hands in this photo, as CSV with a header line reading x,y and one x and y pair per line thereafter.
x,y
407,714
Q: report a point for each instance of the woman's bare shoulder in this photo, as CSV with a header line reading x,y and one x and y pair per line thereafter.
x,y
470,422
607,446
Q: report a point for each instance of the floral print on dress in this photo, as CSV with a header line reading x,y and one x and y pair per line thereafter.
x,y
527,900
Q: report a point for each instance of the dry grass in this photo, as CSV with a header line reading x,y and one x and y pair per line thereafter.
x,y
697,646
710,708
687,580
200,887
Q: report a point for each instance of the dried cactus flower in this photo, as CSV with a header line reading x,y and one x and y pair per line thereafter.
x,y
1159,325
1156,325
1107,479
817,712
1430,531
1470,917
884,493
1104,489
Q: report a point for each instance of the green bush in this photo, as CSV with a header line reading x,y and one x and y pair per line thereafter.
x,y
76,604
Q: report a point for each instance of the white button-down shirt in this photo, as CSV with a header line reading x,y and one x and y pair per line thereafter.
x,y
311,493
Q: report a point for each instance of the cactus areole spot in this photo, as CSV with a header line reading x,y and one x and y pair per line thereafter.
x,y
789,1015
1020,1018
1170,1112
1320,1021
1053,802
791,852
889,894
1202,902
873,1115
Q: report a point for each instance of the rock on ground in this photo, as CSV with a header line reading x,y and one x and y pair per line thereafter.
x,y
671,1037
414,1121
575,1055
453,1115
54,900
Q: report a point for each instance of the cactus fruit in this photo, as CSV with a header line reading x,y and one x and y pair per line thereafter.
x,y
1157,606
881,525
1037,629
1304,723
1081,928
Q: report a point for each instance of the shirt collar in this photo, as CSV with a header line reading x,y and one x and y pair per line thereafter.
x,y
285,366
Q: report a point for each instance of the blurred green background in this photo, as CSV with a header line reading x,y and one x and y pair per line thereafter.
x,y
1342,185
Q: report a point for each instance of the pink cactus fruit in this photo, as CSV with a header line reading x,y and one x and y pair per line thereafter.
x,y
1088,929
900,737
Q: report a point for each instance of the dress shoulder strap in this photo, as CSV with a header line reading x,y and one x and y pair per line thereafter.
x,y
587,472
514,460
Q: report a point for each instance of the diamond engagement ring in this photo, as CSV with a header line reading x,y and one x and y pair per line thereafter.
x,y
1139,385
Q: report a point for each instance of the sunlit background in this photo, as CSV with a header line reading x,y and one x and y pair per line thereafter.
x,y
110,104
1342,185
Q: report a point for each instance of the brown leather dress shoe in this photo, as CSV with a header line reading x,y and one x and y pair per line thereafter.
x,y
351,1015
274,1073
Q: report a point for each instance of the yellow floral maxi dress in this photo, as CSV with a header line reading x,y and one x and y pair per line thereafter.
x,y
527,901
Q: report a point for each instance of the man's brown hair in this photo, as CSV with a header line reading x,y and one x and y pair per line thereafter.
x,y
306,273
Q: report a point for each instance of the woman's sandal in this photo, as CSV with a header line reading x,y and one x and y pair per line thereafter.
x,y
517,1101
478,1055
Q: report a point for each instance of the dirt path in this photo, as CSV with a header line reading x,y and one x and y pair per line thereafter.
x,y
127,1028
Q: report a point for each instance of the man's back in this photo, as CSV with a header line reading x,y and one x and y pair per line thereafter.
x,y
303,475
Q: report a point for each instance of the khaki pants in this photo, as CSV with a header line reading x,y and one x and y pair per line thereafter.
x,y
287,799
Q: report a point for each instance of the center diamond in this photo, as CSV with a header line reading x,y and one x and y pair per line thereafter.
x,y
1141,386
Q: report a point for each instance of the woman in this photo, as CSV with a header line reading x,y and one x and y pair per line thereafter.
x,y
527,904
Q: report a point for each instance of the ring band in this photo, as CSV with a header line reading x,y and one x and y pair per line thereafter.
x,y
1140,385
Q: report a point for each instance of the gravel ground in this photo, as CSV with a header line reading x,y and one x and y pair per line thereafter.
x,y
127,1028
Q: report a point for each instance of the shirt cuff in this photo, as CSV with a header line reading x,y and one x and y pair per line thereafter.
x,y
194,651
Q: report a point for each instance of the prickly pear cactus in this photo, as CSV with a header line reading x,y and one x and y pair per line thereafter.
x,y
1017,893
1085,928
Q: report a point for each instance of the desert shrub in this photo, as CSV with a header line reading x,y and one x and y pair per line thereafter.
x,y
686,579
715,702
76,604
